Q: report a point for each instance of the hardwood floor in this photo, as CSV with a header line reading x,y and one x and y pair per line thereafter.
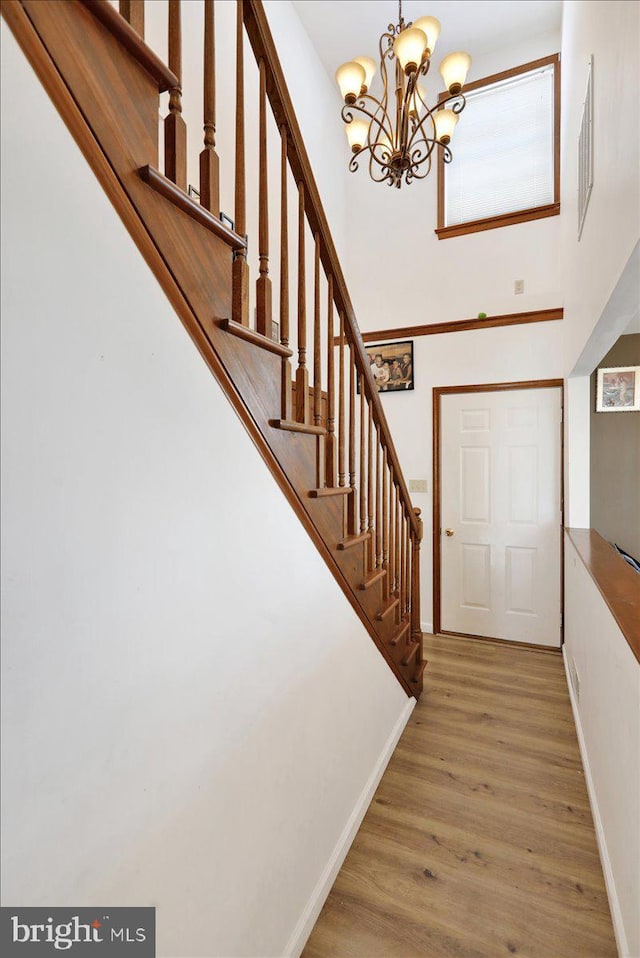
x,y
479,841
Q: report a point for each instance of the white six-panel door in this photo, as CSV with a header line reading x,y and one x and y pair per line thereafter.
x,y
501,514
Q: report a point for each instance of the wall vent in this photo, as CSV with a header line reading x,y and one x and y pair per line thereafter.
x,y
585,151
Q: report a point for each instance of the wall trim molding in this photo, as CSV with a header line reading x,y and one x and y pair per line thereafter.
x,y
609,880
464,325
318,896
427,627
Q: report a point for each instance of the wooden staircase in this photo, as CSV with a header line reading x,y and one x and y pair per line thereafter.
x,y
322,431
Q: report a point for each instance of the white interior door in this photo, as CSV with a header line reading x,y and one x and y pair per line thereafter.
x,y
501,513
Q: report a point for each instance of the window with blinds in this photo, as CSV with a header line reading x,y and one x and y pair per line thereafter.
x,y
504,150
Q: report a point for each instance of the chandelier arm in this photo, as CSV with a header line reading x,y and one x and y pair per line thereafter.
x,y
461,103
348,116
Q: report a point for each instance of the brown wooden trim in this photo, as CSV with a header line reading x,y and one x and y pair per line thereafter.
x,y
79,126
438,392
617,582
553,58
167,188
110,18
251,336
257,27
291,425
464,325
523,646
496,222
520,216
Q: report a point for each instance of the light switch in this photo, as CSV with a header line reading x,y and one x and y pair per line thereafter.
x,y
518,287
418,485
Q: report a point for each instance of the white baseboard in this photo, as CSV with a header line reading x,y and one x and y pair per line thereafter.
x,y
612,895
427,627
319,895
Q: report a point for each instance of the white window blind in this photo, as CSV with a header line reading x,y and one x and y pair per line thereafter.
x,y
503,150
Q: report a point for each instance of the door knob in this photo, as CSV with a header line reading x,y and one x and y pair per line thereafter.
x,y
449,532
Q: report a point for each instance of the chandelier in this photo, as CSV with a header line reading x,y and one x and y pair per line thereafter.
x,y
399,132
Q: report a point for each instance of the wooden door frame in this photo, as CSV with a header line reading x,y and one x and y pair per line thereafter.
x,y
438,392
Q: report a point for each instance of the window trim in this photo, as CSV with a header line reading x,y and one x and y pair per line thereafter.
x,y
518,216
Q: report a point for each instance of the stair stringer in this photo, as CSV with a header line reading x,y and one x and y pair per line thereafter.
x,y
93,81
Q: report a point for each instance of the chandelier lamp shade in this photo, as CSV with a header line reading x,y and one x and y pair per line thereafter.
x,y
398,133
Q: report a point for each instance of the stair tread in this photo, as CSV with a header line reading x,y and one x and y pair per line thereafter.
x,y
421,667
349,541
411,653
389,607
372,578
404,627
330,491
291,426
251,336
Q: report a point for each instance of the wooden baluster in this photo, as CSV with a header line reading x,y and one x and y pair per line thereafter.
x,y
133,13
209,160
363,475
370,488
407,565
263,284
287,413
392,533
416,625
175,129
408,571
385,522
403,561
352,416
352,503
330,441
240,295
317,364
398,547
341,474
378,501
302,373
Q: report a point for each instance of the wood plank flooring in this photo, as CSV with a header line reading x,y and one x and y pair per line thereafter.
x,y
479,841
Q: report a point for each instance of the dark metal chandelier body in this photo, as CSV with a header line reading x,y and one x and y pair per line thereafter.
x,y
399,132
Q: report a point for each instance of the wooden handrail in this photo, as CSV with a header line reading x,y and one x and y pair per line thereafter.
x,y
263,47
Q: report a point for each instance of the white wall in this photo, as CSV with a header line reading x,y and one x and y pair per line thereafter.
x,y
608,30
193,712
606,715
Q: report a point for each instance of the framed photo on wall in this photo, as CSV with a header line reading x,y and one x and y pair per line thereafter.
x,y
618,389
391,365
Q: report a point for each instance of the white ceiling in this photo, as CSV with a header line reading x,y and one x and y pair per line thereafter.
x,y
343,29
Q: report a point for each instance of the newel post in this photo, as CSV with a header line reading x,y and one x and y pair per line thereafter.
x,y
416,539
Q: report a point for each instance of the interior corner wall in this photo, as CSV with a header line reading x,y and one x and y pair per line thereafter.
x,y
615,460
192,710
593,265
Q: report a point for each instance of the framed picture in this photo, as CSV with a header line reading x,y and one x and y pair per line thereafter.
x,y
618,389
391,365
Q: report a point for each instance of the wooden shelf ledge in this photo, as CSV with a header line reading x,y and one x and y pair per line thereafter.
x,y
392,604
417,678
617,582
350,541
411,654
289,425
251,336
330,491
167,188
372,579
402,631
